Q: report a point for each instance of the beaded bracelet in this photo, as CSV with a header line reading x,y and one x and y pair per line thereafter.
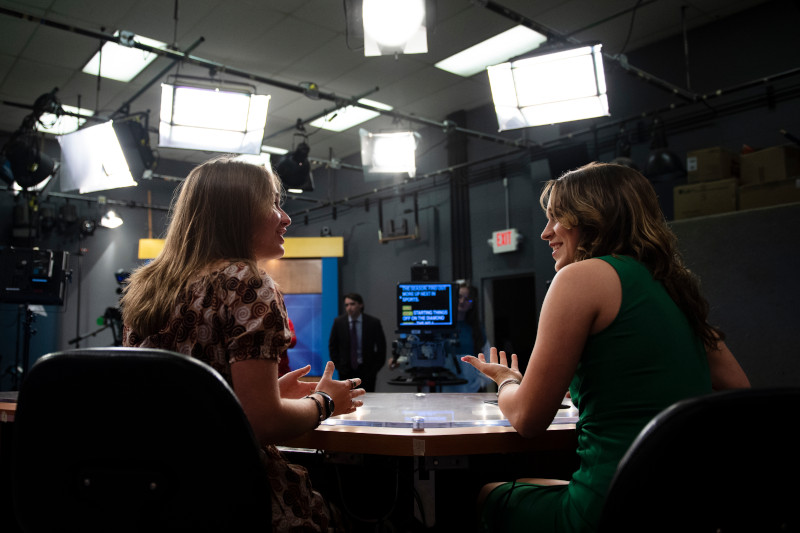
x,y
506,382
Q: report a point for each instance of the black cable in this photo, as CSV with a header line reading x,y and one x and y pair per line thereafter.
x,y
421,508
630,26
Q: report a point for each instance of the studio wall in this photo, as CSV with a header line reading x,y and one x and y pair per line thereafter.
x,y
503,190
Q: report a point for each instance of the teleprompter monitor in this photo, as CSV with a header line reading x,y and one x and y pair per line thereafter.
x,y
427,306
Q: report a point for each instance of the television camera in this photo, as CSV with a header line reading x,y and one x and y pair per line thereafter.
x,y
427,315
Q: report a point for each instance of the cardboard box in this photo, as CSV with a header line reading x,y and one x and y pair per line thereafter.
x,y
706,198
711,164
777,163
767,194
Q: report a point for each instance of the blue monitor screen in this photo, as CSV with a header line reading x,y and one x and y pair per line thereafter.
x,y
427,305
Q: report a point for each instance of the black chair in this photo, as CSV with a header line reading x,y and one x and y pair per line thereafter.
x,y
129,439
724,462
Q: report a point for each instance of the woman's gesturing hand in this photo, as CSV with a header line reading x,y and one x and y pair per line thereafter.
x,y
343,392
497,368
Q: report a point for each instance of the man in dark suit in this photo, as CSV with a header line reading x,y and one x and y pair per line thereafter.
x,y
369,342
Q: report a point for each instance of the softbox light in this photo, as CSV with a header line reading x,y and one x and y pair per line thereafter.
x,y
294,170
394,27
93,160
549,88
198,118
389,153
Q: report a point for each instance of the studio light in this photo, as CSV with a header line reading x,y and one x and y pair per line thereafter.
x,y
662,164
93,160
111,220
66,122
26,163
394,27
23,162
549,88
294,170
199,118
389,153
87,227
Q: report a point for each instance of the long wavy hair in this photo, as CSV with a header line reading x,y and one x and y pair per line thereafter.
x,y
213,216
617,211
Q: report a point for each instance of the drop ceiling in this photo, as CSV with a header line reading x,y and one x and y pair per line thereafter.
x,y
295,41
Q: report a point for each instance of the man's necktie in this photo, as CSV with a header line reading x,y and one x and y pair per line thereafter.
x,y
353,345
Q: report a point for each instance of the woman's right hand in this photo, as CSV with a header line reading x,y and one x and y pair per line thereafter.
x,y
344,393
498,368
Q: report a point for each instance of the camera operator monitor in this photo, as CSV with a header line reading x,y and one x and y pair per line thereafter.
x,y
32,276
427,306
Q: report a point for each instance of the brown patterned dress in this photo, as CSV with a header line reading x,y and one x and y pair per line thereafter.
x,y
231,315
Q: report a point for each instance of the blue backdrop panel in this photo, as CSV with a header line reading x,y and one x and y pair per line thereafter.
x,y
305,310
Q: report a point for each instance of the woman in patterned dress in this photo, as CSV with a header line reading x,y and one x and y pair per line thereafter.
x,y
206,297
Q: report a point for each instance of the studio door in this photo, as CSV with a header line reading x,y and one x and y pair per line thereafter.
x,y
510,318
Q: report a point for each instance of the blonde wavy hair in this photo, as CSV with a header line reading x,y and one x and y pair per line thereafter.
x,y
617,211
212,219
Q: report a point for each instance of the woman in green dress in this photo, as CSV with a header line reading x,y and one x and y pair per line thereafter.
x,y
623,327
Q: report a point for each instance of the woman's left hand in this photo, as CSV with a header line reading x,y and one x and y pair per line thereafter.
x,y
497,369
292,388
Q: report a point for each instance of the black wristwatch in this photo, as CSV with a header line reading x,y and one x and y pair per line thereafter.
x,y
328,402
320,410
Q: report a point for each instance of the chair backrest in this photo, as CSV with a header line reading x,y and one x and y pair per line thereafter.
x,y
720,462
129,439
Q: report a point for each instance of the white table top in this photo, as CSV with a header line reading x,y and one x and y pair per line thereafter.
x,y
435,410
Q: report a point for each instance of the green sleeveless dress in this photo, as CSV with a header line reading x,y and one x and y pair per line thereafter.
x,y
646,360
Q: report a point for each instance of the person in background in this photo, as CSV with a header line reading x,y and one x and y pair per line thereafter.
x,y
283,364
623,326
471,339
357,345
205,297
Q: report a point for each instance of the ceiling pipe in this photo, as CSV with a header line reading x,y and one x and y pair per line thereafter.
x,y
621,59
125,107
181,56
610,17
343,102
686,123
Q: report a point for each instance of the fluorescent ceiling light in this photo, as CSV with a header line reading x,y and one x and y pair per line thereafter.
x,y
274,150
549,88
394,27
122,63
262,159
92,160
198,118
60,125
502,47
349,116
390,153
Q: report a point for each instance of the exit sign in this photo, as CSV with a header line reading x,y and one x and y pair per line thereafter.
x,y
505,240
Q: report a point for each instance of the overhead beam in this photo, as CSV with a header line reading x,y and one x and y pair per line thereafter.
x,y
621,59
182,56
